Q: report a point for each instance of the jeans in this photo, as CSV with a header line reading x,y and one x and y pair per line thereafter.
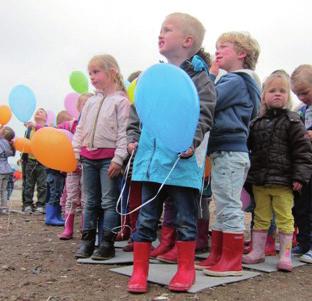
x,y
185,202
229,171
56,182
101,193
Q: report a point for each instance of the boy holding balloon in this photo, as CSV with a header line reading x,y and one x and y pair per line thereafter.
x,y
237,103
35,172
180,41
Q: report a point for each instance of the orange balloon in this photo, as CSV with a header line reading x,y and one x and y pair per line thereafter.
x,y
207,168
22,145
5,114
53,149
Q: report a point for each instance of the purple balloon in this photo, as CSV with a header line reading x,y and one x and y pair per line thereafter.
x,y
245,198
67,133
70,104
51,118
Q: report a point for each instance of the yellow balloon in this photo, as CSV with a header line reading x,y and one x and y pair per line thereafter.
x,y
131,90
53,149
5,114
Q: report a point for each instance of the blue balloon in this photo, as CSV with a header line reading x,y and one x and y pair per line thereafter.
x,y
167,103
22,102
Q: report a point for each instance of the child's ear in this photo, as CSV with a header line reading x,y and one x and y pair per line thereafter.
x,y
242,54
188,42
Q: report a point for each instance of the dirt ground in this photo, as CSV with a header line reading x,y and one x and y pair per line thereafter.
x,y
36,265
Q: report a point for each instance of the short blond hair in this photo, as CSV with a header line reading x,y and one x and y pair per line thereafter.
x,y
63,116
243,42
281,74
193,27
302,74
109,64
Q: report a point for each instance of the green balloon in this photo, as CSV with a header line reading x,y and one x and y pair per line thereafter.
x,y
79,82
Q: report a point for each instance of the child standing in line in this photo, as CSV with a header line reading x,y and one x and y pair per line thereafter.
x,y
281,161
73,193
6,150
34,173
55,183
238,98
100,142
180,39
301,83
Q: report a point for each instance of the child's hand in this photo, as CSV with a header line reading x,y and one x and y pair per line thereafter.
x,y
214,68
188,153
309,134
132,147
29,124
114,170
297,186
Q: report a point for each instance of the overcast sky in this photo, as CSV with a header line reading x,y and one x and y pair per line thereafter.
x,y
43,41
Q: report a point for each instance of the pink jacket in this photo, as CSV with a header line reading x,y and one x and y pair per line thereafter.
x,y
103,124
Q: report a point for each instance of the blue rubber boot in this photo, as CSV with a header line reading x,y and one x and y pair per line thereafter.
x,y
51,218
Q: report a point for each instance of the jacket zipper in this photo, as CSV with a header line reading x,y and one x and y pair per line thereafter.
x,y
95,122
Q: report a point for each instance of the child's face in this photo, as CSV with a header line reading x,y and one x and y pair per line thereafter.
x,y
99,78
171,38
227,56
276,94
303,91
40,116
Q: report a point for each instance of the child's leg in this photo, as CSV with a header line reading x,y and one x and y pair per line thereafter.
x,y
203,225
229,171
282,206
41,181
303,218
262,218
185,201
109,195
92,188
135,201
72,188
167,250
143,236
30,182
3,190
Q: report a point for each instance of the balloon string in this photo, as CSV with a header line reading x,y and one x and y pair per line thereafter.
x,y
150,200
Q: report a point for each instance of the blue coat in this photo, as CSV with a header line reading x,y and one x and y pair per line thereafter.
x,y
153,161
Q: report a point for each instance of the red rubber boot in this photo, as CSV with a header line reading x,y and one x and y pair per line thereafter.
x,y
184,278
230,263
138,280
215,251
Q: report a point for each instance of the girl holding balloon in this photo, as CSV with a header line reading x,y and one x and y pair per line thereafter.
x,y
100,144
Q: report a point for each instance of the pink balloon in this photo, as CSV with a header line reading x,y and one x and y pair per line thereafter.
x,y
51,118
70,104
67,133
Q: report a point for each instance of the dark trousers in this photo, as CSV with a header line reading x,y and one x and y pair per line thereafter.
x,y
35,174
302,212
